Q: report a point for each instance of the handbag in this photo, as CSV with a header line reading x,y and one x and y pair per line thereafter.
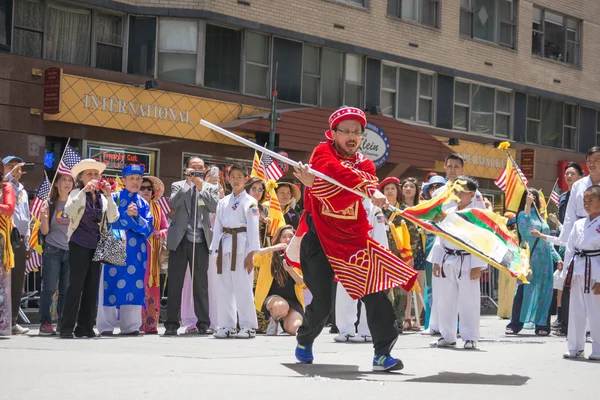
x,y
557,281
110,250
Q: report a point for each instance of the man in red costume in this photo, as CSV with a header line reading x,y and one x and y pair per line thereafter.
x,y
337,243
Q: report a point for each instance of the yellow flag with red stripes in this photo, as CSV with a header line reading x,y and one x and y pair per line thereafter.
x,y
275,213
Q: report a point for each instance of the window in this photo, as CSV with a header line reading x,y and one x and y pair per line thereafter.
x,y
109,42
177,48
551,123
362,3
481,109
28,32
407,94
489,20
422,11
257,64
355,76
142,42
311,76
5,24
597,128
68,33
555,36
287,56
331,78
223,58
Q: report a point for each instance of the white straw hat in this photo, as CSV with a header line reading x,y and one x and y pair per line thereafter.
x,y
86,164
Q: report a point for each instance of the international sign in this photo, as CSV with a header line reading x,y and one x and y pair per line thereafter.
x,y
375,146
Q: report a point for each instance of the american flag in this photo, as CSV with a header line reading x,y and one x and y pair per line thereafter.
x,y
165,207
69,159
41,196
34,263
273,170
501,181
555,195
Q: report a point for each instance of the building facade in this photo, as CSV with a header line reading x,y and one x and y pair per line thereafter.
x,y
136,76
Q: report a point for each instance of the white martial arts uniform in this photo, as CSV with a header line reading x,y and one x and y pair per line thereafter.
x,y
585,236
345,307
234,288
575,210
477,202
456,293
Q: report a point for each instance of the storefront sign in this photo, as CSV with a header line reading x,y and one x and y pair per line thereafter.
x,y
527,163
375,146
130,108
52,92
481,160
118,158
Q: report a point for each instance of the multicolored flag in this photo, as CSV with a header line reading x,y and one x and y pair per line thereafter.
x,y
69,159
34,262
482,233
258,168
42,195
275,213
502,179
555,195
274,172
515,186
165,206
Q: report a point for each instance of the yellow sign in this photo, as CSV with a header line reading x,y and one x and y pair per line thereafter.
x,y
481,160
119,106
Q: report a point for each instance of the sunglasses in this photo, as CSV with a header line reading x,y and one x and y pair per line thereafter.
x,y
146,188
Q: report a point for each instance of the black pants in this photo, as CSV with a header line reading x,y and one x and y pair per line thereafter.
x,y
17,277
564,310
515,321
178,263
84,278
318,277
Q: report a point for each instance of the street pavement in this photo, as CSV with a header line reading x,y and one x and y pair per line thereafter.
x,y
193,367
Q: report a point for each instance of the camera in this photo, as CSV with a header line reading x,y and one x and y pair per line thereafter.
x,y
197,174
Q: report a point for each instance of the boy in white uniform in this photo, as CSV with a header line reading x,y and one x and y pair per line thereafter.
x,y
457,291
583,278
345,306
235,239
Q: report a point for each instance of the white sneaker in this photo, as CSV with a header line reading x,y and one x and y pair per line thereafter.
x,y
573,354
441,342
19,330
361,338
245,333
430,332
272,328
224,333
594,357
470,345
343,337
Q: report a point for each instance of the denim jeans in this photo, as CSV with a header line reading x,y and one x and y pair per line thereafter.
x,y
55,272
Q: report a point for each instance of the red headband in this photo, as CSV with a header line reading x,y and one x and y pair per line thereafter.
x,y
345,114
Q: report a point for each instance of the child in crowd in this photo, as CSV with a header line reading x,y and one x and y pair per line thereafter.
x,y
458,276
235,239
583,278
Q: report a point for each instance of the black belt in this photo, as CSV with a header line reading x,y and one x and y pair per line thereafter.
x,y
588,255
454,252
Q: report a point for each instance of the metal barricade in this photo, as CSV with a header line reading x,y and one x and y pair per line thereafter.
x,y
489,288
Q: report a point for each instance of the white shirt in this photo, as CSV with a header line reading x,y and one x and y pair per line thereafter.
x,y
377,221
585,235
575,210
477,201
21,215
236,212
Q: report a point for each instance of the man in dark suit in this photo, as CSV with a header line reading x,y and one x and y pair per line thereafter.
x,y
188,239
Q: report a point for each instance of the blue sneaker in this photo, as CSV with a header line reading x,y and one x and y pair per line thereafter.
x,y
387,363
304,354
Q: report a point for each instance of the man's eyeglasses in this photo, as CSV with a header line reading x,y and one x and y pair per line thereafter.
x,y
258,190
146,188
347,133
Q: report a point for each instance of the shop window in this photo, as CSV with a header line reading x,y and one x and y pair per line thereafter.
x,y
223,58
68,34
354,81
5,24
311,76
177,50
109,42
257,64
331,78
489,20
29,27
287,55
551,123
481,109
555,36
422,11
407,94
118,157
142,42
